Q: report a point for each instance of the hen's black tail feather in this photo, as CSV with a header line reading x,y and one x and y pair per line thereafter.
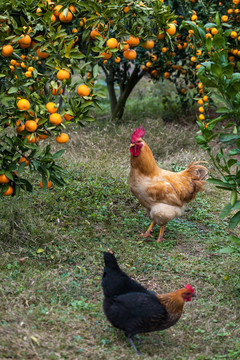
x,y
110,261
115,281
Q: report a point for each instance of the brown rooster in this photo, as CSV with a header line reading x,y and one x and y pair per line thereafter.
x,y
132,308
163,193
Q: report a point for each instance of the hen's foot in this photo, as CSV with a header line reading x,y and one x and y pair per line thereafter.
x,y
148,234
160,236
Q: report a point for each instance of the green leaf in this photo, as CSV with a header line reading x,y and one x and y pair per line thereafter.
x,y
58,154
225,211
228,137
216,69
200,139
234,220
218,41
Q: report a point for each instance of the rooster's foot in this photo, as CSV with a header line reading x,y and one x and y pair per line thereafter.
x,y
147,234
160,240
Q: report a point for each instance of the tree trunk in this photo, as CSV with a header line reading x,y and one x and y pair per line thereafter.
x,y
126,90
126,87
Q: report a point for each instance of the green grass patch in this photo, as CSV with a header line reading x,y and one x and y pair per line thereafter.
x,y
51,259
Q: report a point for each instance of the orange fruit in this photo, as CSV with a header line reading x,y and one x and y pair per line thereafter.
x,y
43,136
13,62
199,52
20,128
42,54
164,49
126,9
31,125
51,107
205,98
49,184
201,117
166,75
148,44
57,91
9,191
28,74
193,58
106,55
201,109
32,138
194,17
83,90
112,43
161,36
148,64
66,19
200,101
63,74
56,10
224,18
133,41
22,159
130,54
94,33
25,41
171,29
55,119
200,85
62,138
68,117
23,104
72,9
125,46
53,18
214,31
117,59
7,50
39,11
74,30
233,34
4,179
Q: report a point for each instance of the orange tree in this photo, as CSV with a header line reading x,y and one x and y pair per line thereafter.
x,y
219,86
49,61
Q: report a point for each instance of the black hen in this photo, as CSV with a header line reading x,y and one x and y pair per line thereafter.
x,y
134,309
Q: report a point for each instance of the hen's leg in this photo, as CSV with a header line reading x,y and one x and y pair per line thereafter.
x,y
160,236
133,345
149,230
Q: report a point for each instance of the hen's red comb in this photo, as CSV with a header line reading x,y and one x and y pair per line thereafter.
x,y
138,133
189,287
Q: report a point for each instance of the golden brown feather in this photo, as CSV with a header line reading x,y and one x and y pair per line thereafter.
x,y
163,193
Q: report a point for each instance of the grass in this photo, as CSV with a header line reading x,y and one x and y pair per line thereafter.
x,y
51,256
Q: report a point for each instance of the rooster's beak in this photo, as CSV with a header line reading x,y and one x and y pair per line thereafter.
x,y
193,295
132,145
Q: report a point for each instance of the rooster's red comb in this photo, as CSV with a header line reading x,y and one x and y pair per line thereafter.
x,y
189,287
138,133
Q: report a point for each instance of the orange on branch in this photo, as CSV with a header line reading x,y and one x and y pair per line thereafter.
x,y
148,44
22,159
63,74
130,54
4,179
133,41
171,29
55,119
23,104
7,50
83,90
62,138
49,184
112,43
31,125
51,107
9,191
66,19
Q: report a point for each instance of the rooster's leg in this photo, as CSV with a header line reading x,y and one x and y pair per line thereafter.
x,y
133,345
160,236
149,230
